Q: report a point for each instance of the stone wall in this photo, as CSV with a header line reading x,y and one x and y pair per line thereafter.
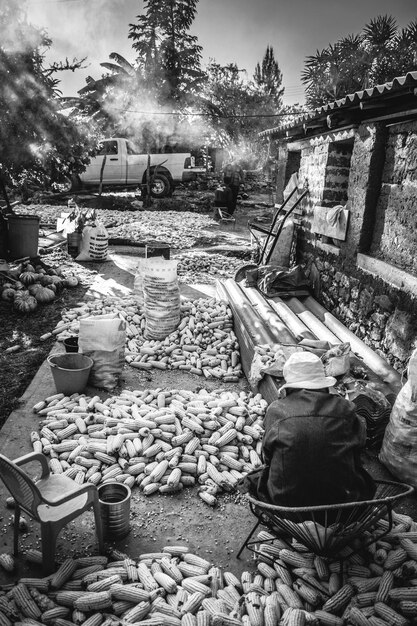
x,y
377,177
395,234
383,317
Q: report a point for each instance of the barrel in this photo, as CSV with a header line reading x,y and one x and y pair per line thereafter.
x,y
23,236
114,501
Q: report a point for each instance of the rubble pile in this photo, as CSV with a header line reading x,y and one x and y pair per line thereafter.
x,y
161,441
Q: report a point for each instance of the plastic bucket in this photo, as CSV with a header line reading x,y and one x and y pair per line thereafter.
x,y
157,248
70,372
71,344
114,501
23,236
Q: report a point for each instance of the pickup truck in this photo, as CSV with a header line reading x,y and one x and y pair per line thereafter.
x,y
125,165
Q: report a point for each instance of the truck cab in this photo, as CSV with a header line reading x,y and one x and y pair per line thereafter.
x,y
120,162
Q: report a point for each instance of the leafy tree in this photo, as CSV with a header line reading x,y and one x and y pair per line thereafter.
x,y
268,78
376,55
239,109
168,55
38,142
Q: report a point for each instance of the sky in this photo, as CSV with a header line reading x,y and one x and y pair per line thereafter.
x,y
228,30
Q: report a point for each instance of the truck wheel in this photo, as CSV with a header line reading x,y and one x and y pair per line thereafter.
x,y
67,184
161,187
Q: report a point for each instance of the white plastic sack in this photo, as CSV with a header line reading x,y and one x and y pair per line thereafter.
x,y
138,282
161,297
94,243
102,337
399,447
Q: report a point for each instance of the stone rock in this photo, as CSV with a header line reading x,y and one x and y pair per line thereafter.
x,y
376,334
400,334
384,302
365,301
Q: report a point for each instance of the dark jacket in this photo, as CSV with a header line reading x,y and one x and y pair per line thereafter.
x,y
311,449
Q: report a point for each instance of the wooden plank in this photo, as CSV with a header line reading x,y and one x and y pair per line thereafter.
x,y
321,226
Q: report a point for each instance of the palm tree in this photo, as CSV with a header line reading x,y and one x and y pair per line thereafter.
x,y
376,55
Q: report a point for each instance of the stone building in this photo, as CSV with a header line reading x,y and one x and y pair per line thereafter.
x,y
359,153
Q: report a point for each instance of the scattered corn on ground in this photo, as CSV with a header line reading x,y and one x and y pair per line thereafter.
x,y
204,343
161,441
180,230
206,268
375,586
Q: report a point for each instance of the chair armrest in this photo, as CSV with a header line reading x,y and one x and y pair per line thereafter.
x,y
34,456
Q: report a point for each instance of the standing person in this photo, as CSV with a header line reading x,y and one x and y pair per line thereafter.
x,y
233,177
312,442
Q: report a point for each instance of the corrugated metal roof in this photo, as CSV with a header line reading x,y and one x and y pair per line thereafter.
x,y
400,83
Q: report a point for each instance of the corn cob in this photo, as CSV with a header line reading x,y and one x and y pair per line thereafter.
x,y
306,593
410,547
193,603
365,599
57,612
25,602
266,570
220,619
67,598
357,617
254,608
395,558
146,578
93,601
338,602
295,559
321,568
408,608
290,596
192,559
165,581
4,620
192,586
188,570
130,593
328,619
283,572
7,562
64,573
104,584
389,615
94,620
137,613
8,608
385,586
403,593
362,585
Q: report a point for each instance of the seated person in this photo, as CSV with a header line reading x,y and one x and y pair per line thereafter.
x,y
312,442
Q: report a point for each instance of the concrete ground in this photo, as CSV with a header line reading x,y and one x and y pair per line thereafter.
x,y
158,520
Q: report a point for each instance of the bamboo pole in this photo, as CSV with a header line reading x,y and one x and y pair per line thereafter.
x,y
265,310
374,361
310,320
291,320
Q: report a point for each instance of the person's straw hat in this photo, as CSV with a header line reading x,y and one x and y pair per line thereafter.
x,y
305,370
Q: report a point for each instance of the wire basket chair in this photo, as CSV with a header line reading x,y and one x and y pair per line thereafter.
x,y
328,530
